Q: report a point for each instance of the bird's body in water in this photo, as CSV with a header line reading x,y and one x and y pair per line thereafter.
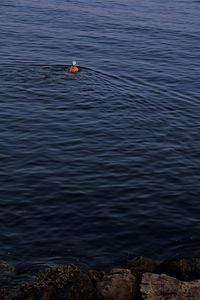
x,y
73,68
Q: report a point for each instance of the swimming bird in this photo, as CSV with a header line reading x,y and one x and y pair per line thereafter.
x,y
73,68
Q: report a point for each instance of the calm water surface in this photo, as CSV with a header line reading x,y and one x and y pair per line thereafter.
x,y
105,164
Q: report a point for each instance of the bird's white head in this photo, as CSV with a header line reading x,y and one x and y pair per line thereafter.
x,y
74,63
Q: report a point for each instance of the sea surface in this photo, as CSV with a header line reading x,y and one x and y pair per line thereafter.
x,y
103,165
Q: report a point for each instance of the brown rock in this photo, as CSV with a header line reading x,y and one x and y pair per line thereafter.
x,y
178,268
196,268
82,288
95,275
47,293
57,276
33,297
118,285
164,287
49,283
141,264
7,295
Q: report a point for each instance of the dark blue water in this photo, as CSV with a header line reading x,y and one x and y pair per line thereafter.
x,y
104,164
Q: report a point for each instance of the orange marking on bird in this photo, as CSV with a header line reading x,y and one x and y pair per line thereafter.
x,y
73,68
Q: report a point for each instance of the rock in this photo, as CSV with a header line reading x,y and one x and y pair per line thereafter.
x,y
7,295
95,275
48,293
82,288
140,265
50,282
196,268
33,297
7,270
118,285
57,276
164,287
178,268
141,277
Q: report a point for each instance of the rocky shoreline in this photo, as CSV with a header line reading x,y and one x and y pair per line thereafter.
x,y
137,279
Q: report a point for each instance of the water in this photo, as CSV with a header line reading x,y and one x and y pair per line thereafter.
x,y
102,165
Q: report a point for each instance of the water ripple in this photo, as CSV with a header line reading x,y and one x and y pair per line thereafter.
x,y
94,163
